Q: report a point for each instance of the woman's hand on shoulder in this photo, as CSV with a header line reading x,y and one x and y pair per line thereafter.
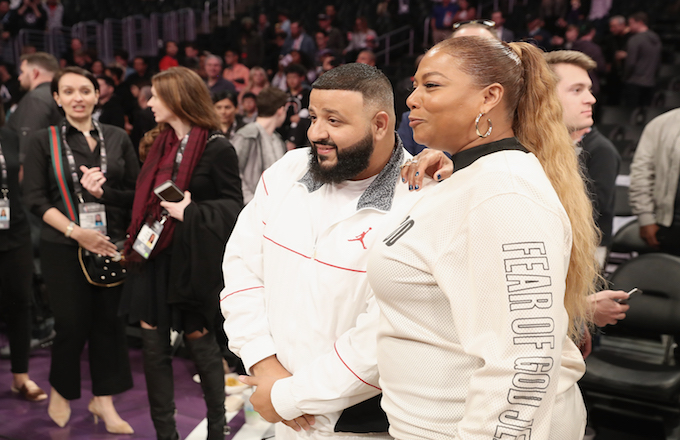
x,y
176,209
433,163
94,241
92,180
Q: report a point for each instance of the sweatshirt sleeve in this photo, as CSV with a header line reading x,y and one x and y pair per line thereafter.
x,y
243,146
242,300
643,173
508,311
337,380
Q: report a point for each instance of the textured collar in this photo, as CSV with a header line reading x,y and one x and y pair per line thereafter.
x,y
380,192
465,158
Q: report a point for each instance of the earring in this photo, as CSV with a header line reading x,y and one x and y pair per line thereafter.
x,y
488,132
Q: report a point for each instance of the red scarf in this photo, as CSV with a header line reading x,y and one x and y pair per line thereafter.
x,y
158,168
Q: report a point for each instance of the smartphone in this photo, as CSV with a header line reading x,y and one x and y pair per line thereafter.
x,y
633,291
169,192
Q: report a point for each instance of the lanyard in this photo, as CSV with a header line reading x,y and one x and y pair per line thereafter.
x,y
178,161
3,172
72,162
179,156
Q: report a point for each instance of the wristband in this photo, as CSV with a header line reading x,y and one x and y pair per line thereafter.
x,y
69,230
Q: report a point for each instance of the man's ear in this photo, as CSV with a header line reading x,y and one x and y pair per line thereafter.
x,y
381,125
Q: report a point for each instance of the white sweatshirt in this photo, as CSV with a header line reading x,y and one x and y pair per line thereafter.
x,y
295,286
472,340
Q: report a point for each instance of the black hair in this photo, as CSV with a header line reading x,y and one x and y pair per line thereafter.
x,y
122,53
367,80
225,94
116,71
54,86
296,68
108,80
249,95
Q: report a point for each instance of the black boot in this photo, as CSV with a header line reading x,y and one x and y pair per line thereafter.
x,y
208,360
160,382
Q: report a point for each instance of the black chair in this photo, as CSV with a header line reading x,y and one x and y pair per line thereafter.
x,y
626,149
613,132
621,202
627,240
631,384
633,133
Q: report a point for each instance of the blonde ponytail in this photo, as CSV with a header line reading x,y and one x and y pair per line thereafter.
x,y
539,126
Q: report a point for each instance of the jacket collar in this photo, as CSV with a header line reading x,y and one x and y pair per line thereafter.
x,y
380,192
71,129
466,158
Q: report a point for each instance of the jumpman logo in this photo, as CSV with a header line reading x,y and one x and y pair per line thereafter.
x,y
360,238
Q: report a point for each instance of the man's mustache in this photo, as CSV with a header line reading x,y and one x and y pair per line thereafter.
x,y
327,143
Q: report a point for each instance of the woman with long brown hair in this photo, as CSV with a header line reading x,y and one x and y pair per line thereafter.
x,y
175,247
485,279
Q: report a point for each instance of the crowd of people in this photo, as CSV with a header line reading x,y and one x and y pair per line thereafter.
x,y
284,149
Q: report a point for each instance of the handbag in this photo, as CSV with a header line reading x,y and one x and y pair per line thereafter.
x,y
99,270
102,270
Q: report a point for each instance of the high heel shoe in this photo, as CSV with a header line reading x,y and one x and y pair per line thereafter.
x,y
119,427
30,391
59,416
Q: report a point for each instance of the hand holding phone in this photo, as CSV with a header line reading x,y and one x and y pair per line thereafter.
x,y
632,292
169,192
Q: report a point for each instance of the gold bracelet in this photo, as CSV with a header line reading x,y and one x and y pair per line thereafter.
x,y
69,229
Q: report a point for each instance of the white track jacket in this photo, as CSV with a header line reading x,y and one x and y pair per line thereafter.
x,y
308,300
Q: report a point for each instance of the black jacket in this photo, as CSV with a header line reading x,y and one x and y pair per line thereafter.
x,y
19,232
41,191
36,110
199,241
601,162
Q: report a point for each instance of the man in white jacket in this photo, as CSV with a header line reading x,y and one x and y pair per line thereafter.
x,y
297,304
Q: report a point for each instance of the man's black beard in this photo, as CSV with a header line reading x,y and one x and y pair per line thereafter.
x,y
351,161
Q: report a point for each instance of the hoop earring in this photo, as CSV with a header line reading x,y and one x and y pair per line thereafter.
x,y
488,132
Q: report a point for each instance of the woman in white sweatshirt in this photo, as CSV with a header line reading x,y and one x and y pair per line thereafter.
x,y
484,281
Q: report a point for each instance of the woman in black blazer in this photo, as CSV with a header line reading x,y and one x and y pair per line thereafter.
x,y
105,167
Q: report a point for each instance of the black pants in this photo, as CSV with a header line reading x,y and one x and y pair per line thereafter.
x,y
83,313
16,276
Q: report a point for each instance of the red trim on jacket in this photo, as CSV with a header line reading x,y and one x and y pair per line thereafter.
x,y
343,268
350,370
242,290
264,185
288,249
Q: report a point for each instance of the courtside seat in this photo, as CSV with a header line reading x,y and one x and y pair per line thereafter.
x,y
628,240
624,379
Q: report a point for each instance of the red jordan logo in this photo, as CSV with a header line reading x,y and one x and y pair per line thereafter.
x,y
360,238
